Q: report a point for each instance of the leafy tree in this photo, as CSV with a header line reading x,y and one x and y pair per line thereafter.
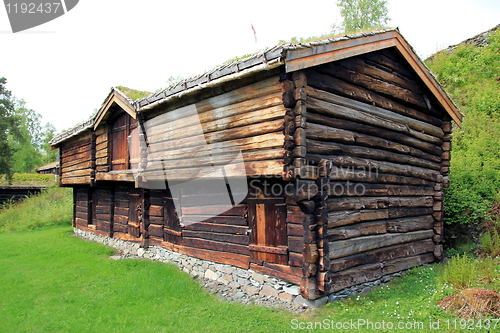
x,y
358,15
30,148
8,128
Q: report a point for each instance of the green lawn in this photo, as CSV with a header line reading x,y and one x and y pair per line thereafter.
x,y
51,281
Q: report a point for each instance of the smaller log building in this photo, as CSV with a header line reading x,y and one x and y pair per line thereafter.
x,y
322,164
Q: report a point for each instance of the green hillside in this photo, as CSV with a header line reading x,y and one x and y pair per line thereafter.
x,y
470,72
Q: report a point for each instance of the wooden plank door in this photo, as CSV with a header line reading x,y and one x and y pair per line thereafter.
x,y
119,143
267,221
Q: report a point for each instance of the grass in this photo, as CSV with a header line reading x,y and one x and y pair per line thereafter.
x,y
51,207
52,281
33,179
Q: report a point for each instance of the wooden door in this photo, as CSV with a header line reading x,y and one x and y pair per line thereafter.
x,y
267,220
119,143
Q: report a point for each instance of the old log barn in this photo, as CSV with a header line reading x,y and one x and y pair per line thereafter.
x,y
343,146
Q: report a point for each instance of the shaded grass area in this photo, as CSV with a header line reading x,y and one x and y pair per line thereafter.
x,y
34,179
52,281
51,207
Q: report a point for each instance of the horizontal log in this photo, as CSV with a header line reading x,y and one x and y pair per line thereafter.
x,y
383,254
116,177
410,224
217,228
344,248
155,230
376,167
346,217
101,138
327,133
371,272
323,103
257,90
360,65
102,153
293,275
78,173
391,60
220,237
340,188
361,174
65,164
262,142
357,230
222,257
75,180
80,166
333,148
256,168
68,153
238,210
78,157
219,219
269,249
215,245
244,113
373,131
380,87
349,203
207,159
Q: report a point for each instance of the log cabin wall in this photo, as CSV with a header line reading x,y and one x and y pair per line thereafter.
x,y
381,145
77,160
210,132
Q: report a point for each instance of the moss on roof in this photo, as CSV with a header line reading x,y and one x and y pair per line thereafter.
x,y
132,93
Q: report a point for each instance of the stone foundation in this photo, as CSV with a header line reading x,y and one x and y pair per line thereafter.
x,y
245,285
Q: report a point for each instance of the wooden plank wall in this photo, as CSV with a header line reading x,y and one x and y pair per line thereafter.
x,y
77,161
249,118
102,149
82,207
383,137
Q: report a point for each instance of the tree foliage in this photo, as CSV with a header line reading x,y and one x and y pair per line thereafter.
x,y
24,143
8,128
358,15
31,148
472,76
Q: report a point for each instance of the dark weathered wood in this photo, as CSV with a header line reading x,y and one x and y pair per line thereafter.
x,y
374,84
385,167
215,245
348,203
344,248
357,230
410,224
371,272
220,237
332,148
373,131
327,133
432,133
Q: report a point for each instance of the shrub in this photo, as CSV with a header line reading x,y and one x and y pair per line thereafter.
x,y
460,272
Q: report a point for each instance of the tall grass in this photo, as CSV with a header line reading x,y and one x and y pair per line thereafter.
x,y
51,207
